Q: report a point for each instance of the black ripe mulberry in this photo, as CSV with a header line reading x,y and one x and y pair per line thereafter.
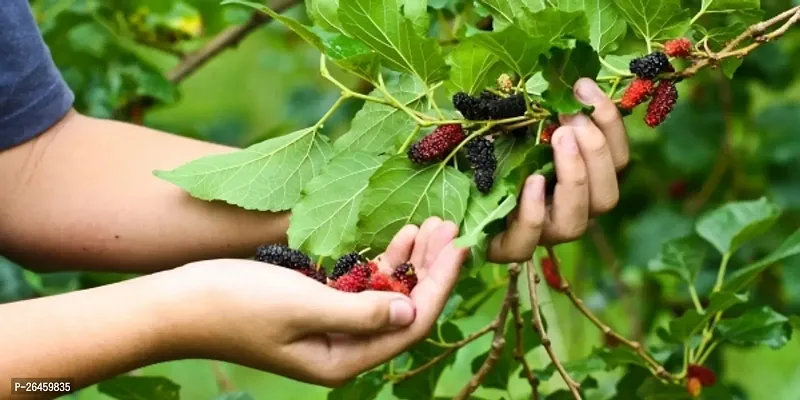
x,y
649,66
472,108
507,107
284,256
489,106
345,263
664,97
407,275
480,153
317,274
437,145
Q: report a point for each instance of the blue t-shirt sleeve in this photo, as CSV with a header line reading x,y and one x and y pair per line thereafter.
x,y
33,94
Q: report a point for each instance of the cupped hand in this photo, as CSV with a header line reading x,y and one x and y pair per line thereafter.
x,y
278,320
588,153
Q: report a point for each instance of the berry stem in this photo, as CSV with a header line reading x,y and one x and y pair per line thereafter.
x,y
429,92
538,326
330,112
614,69
695,299
409,139
655,367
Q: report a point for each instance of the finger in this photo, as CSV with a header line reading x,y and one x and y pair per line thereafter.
x,y
353,355
517,243
444,233
603,188
366,312
608,119
399,249
421,243
569,213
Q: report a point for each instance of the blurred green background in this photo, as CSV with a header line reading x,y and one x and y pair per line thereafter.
x,y
270,85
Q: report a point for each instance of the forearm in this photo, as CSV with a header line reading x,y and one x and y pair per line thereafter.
x,y
90,335
83,196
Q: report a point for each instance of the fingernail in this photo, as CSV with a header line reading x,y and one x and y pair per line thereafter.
x,y
401,312
534,188
587,91
567,142
579,119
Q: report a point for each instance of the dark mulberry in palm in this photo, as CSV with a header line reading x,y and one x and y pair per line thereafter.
x,y
664,97
437,145
284,256
649,66
407,275
345,263
317,274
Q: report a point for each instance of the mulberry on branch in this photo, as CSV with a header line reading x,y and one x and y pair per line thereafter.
x,y
547,132
650,65
678,48
664,97
480,153
637,93
489,106
437,145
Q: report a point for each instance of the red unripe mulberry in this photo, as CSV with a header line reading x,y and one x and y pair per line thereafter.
x,y
551,274
547,132
437,145
678,48
664,97
705,375
638,91
355,280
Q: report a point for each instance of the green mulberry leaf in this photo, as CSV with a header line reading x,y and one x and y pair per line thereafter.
x,y
401,193
380,24
763,326
733,224
267,176
324,222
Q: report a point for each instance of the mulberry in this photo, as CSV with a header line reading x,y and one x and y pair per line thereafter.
x,y
547,132
284,256
437,145
678,48
705,375
315,273
638,91
649,66
664,97
380,282
508,107
480,153
345,263
694,387
355,280
488,106
484,180
551,275
505,83
472,108
406,275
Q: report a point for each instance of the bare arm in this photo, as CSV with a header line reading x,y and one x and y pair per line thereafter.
x,y
89,335
83,196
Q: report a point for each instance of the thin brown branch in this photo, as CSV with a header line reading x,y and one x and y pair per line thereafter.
x,y
755,32
498,339
451,348
696,203
654,365
519,327
538,325
228,38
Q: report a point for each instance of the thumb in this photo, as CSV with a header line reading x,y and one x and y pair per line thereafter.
x,y
361,313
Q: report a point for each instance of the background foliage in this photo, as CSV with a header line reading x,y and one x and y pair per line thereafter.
x,y
727,140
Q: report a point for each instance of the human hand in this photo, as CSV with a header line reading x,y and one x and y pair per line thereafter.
x,y
278,320
588,152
